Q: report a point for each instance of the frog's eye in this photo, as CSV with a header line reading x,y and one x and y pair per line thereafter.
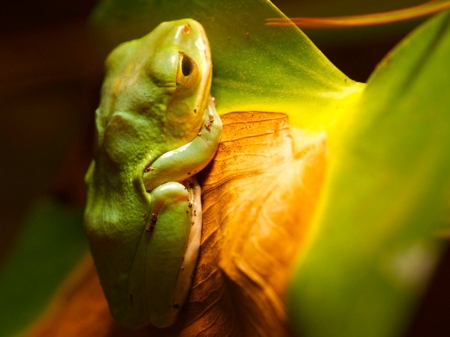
x,y
187,72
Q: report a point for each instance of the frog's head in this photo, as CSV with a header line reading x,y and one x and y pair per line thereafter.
x,y
155,93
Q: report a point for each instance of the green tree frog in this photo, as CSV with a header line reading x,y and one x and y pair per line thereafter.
x,y
156,127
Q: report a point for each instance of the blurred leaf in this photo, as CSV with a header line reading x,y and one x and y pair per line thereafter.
x,y
374,239
50,244
255,67
371,245
426,8
351,36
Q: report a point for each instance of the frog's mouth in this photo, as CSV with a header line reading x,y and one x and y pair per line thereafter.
x,y
205,87
203,98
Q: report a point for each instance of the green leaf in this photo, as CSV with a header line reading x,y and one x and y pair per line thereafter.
x,y
256,67
51,243
374,239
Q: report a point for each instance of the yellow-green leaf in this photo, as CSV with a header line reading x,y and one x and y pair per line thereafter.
x,y
375,236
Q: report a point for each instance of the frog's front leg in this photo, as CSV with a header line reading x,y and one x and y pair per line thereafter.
x,y
168,251
184,162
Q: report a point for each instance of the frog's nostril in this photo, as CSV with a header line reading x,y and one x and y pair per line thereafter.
x,y
186,29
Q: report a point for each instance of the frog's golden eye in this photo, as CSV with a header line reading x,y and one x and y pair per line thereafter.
x,y
187,72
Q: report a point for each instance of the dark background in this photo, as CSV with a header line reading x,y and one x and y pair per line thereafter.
x,y
50,74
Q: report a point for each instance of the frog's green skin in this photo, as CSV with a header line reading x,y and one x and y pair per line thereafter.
x,y
156,126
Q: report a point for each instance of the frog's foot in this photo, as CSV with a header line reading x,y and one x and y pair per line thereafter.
x,y
193,247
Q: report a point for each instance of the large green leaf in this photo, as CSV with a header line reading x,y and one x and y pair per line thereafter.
x,y
255,67
50,244
374,241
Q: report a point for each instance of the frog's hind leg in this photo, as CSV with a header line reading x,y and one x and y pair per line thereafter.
x,y
160,253
172,208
